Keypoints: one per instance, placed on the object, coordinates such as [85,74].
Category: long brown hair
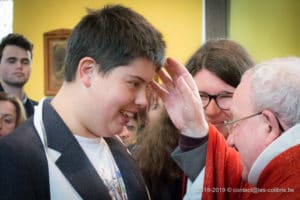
[155,143]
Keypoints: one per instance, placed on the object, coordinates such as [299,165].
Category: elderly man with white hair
[265,134]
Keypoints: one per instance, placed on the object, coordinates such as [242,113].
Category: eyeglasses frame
[233,122]
[214,97]
[227,123]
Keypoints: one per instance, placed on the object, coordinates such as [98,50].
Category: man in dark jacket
[15,68]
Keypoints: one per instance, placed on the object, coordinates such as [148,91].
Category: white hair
[276,86]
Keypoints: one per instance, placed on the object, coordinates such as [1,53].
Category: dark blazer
[24,171]
[28,104]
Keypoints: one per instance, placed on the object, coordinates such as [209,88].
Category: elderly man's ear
[271,126]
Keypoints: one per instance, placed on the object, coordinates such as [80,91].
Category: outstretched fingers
[181,99]
[168,82]
[177,70]
[174,68]
[185,91]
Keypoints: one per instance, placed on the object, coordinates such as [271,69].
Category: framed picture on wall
[55,43]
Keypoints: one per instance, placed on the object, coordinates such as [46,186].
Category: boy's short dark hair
[113,36]
[17,40]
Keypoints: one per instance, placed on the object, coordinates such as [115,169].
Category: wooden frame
[55,42]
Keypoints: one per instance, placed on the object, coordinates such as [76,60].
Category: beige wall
[178,20]
[267,28]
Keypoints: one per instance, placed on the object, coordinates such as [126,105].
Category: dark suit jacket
[24,171]
[29,106]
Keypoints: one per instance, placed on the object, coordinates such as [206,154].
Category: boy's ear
[85,70]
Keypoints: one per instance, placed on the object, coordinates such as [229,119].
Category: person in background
[12,113]
[217,68]
[155,143]
[129,133]
[70,149]
[15,68]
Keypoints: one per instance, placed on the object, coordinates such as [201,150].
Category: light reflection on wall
[6,16]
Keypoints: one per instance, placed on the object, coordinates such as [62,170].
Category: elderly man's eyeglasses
[230,125]
[223,100]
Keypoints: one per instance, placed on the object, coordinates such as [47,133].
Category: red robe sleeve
[223,169]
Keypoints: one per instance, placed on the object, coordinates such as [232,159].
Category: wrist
[189,143]
[196,131]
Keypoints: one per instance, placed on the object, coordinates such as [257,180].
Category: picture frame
[55,43]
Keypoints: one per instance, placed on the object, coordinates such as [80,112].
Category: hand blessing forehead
[181,99]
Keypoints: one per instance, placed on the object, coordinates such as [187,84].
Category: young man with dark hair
[15,68]
[69,149]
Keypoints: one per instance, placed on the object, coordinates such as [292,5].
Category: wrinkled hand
[181,99]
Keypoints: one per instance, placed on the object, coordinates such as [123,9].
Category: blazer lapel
[72,162]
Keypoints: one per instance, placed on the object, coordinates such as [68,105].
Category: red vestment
[280,179]
[223,169]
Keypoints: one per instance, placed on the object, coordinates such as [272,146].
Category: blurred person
[129,132]
[15,68]
[12,113]
[155,143]
[71,140]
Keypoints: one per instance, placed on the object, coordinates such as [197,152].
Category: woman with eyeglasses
[217,68]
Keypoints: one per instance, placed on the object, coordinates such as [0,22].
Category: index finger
[174,68]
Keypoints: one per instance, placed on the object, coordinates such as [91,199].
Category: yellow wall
[178,20]
[267,28]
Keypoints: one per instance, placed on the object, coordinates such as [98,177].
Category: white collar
[288,139]
[39,124]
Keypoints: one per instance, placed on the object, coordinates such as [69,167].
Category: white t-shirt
[98,152]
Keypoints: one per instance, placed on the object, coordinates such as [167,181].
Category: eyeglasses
[222,100]
[230,125]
